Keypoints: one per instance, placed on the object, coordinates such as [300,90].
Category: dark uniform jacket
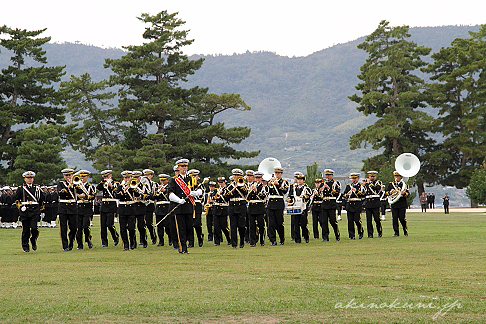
[373,194]
[220,205]
[125,197]
[354,201]
[109,201]
[85,205]
[402,202]
[67,199]
[256,198]
[162,202]
[173,187]
[330,195]
[31,200]
[276,193]
[237,198]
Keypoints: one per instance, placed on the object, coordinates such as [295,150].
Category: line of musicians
[178,203]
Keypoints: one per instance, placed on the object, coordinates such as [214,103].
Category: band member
[398,209]
[236,194]
[126,211]
[373,203]
[86,193]
[220,212]
[208,209]
[423,202]
[250,179]
[149,202]
[180,193]
[277,189]
[46,220]
[198,209]
[68,209]
[139,207]
[316,209]
[55,205]
[331,192]
[162,204]
[29,198]
[108,208]
[354,192]
[256,210]
[299,194]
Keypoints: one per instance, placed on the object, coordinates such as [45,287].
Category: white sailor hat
[221,179]
[148,171]
[250,173]
[329,171]
[182,162]
[106,172]
[212,184]
[126,173]
[300,176]
[137,173]
[6,188]
[237,172]
[175,168]
[278,169]
[84,173]
[396,173]
[258,174]
[163,176]
[193,172]
[354,174]
[67,171]
[28,174]
[372,173]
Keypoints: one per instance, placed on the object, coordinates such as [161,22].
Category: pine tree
[27,93]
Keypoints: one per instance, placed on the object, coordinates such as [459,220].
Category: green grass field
[437,274]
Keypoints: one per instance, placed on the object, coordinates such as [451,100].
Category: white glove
[196,193]
[173,197]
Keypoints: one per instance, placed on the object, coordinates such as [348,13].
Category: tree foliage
[477,186]
[458,91]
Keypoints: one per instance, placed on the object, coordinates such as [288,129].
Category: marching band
[253,202]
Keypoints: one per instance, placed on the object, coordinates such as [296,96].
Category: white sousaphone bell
[408,165]
[267,166]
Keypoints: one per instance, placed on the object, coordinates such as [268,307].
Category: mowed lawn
[437,274]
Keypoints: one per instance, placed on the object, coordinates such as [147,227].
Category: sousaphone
[267,166]
[408,165]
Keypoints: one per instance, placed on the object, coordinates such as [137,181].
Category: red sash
[185,188]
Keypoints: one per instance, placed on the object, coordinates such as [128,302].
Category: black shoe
[104,245]
[234,247]
[262,244]
[370,236]
[338,238]
[352,238]
[242,246]
[190,245]
[116,242]
[216,244]
[125,249]
[274,243]
[307,241]
[252,245]
[406,234]
[200,243]
[210,238]
[160,244]
[133,246]
[80,247]
[360,236]
[229,243]
[154,241]
[185,252]
[90,244]
[145,244]
[34,247]
[380,234]
[395,235]
[26,250]
[170,243]
[326,239]
[282,242]
[67,249]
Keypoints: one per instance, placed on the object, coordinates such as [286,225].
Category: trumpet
[133,183]
[240,182]
[77,180]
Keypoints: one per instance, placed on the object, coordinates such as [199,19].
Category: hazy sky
[291,28]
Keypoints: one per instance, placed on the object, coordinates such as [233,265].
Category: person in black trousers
[330,190]
[162,204]
[220,212]
[126,212]
[277,189]
[67,210]
[398,208]
[108,208]
[446,203]
[86,193]
[29,198]
[180,194]
[373,204]
[354,193]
